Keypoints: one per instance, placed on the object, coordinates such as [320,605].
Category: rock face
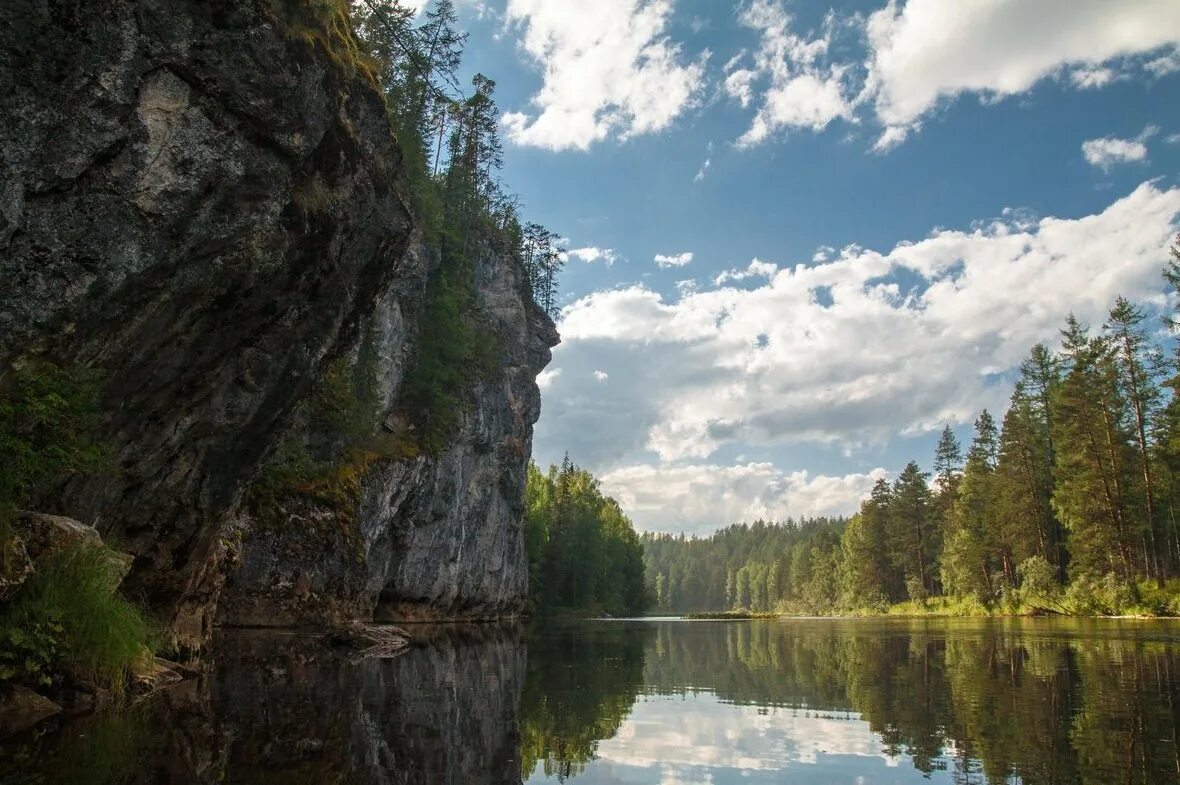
[201,202]
[434,536]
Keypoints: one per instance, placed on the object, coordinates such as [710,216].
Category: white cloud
[1090,77]
[601,376]
[755,269]
[546,377]
[1165,64]
[855,349]
[822,253]
[673,260]
[1172,139]
[669,497]
[1110,150]
[803,89]
[923,52]
[593,253]
[609,70]
[700,175]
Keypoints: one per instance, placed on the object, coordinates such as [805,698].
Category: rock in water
[21,708]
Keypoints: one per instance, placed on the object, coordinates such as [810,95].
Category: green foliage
[1106,595]
[453,353]
[49,425]
[335,441]
[30,655]
[792,567]
[584,554]
[68,616]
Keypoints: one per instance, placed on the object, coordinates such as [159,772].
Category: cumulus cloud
[1110,150]
[609,70]
[1165,64]
[706,496]
[592,253]
[856,349]
[757,268]
[546,378]
[923,52]
[803,89]
[1092,77]
[673,260]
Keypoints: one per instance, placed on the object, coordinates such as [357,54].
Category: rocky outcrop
[433,536]
[201,203]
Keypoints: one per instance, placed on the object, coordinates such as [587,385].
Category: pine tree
[971,550]
[913,533]
[1089,495]
[1137,369]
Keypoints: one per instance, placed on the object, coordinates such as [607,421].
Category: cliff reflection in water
[287,709]
[655,702]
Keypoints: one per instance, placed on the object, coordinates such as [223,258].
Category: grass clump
[69,619]
[312,194]
[327,25]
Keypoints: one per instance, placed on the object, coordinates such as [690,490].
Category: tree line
[760,566]
[583,553]
[1069,503]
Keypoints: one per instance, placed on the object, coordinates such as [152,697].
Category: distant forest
[1069,504]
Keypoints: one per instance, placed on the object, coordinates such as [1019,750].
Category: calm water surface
[646,702]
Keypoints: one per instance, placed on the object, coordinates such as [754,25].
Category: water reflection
[655,702]
[1031,701]
[286,709]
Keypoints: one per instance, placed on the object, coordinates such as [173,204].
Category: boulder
[21,708]
[15,565]
[44,535]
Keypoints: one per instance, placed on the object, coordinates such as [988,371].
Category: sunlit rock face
[204,207]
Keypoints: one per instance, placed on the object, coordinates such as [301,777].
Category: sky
[803,237]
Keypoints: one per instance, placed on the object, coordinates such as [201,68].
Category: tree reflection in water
[1031,701]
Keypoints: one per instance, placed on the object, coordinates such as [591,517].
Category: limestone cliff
[201,201]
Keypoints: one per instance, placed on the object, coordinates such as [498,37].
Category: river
[655,701]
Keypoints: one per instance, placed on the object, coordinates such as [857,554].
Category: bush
[1107,595]
[49,421]
[69,617]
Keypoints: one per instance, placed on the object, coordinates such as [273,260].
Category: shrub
[1107,595]
[49,425]
[68,616]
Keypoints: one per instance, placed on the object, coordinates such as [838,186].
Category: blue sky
[885,206]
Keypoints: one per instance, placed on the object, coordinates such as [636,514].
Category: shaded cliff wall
[201,202]
[430,536]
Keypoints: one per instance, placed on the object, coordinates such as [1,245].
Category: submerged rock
[21,708]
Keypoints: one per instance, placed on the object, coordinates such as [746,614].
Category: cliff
[202,207]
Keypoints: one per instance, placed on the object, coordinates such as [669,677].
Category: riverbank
[1083,598]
